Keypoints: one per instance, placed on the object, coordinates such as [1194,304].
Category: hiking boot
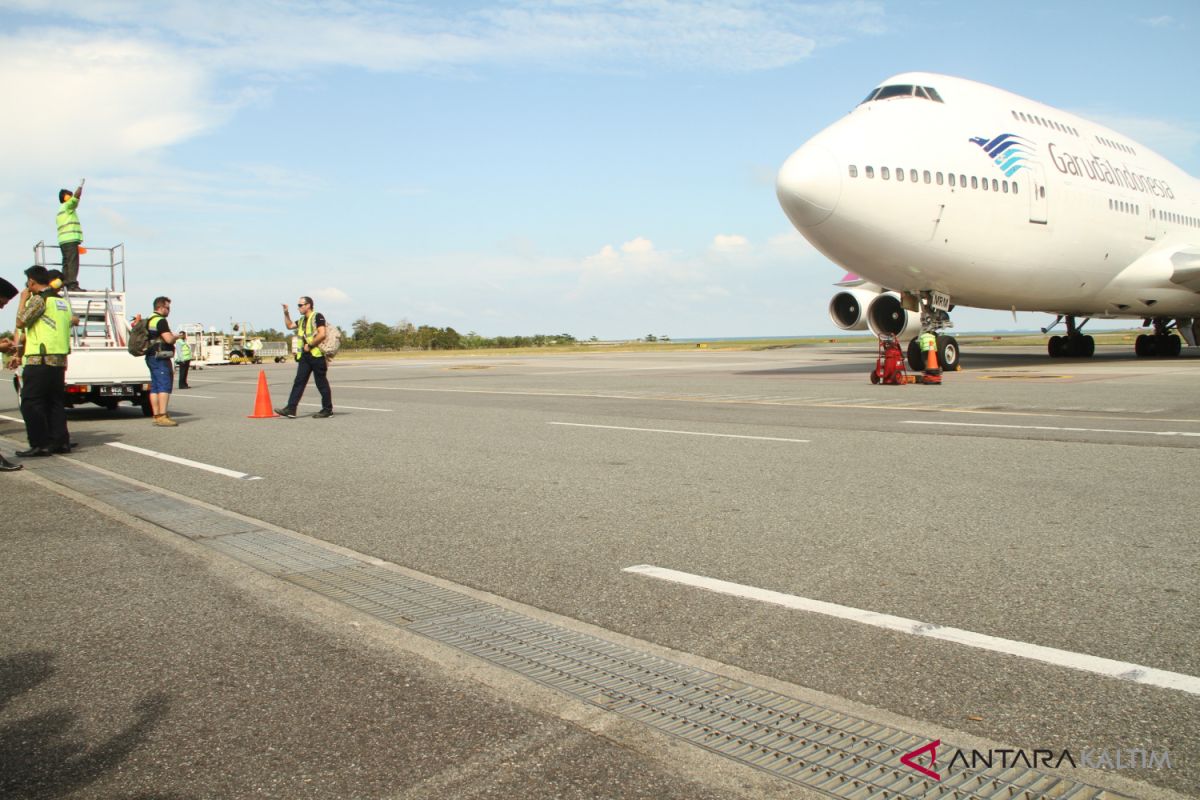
[286,411]
[165,422]
[323,413]
[8,466]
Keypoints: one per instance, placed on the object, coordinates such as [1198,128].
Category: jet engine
[886,314]
[848,308]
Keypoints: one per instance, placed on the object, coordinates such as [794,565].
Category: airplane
[937,191]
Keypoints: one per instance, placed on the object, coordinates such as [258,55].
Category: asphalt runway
[1048,503]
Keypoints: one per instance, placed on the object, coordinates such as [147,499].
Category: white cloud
[729,243]
[331,294]
[95,100]
[1164,21]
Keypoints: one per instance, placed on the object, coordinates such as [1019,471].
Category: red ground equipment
[889,366]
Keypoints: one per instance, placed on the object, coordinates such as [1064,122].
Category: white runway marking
[12,419]
[355,408]
[685,433]
[1049,428]
[190,395]
[1050,655]
[186,462]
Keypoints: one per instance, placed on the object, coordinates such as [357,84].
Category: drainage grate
[278,553]
[813,746]
[387,594]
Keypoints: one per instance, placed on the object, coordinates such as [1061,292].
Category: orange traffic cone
[933,371]
[262,403]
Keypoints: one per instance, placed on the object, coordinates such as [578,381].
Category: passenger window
[899,173]
[953,182]
[1014,113]
[974,182]
[853,171]
[912,175]
[1004,185]
[1014,187]
[939,179]
[983,184]
[995,185]
[928,178]
[884,173]
[962,181]
[1042,192]
[870,172]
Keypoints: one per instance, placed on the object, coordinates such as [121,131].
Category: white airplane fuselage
[1004,203]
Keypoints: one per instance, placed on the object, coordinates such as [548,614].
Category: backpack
[139,338]
[332,342]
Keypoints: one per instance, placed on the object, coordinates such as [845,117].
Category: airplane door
[1037,194]
[1151,234]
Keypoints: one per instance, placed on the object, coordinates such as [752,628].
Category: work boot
[286,411]
[165,422]
[33,452]
[8,466]
[323,413]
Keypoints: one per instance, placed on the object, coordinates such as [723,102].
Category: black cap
[7,290]
[67,192]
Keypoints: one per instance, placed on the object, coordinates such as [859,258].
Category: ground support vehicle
[100,368]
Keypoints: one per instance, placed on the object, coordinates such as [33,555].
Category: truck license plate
[123,391]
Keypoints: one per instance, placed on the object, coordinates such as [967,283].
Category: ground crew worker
[7,292]
[310,329]
[183,359]
[46,321]
[70,235]
[929,348]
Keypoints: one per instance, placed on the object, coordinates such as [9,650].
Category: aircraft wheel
[1170,345]
[915,362]
[947,353]
[1056,347]
[1143,346]
[1087,346]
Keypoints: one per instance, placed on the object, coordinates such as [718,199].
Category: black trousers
[70,265]
[307,365]
[183,370]
[43,405]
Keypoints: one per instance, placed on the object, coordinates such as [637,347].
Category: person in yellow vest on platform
[310,329]
[70,234]
[45,319]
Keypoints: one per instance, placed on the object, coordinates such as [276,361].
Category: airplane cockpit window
[904,90]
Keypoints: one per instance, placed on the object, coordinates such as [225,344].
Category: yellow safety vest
[928,341]
[307,330]
[69,229]
[50,333]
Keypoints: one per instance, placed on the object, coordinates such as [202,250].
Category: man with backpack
[310,359]
[160,349]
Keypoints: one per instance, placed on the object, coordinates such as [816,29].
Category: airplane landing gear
[1162,343]
[948,354]
[1074,344]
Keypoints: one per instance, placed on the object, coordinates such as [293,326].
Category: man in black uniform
[310,360]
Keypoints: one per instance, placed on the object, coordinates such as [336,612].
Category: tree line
[367,335]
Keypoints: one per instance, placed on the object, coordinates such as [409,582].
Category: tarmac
[137,661]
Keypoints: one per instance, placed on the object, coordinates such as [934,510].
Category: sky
[514,167]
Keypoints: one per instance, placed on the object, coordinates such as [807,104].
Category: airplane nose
[809,185]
